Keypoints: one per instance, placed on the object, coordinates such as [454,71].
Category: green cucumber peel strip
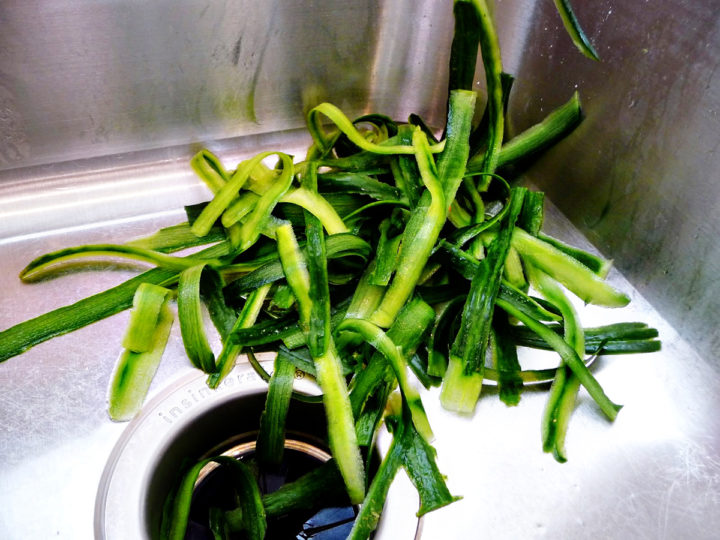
[492,63]
[358,183]
[418,460]
[539,376]
[624,335]
[568,355]
[287,329]
[147,304]
[404,169]
[317,205]
[554,127]
[294,269]
[412,452]
[209,169]
[514,272]
[337,246]
[256,221]
[145,341]
[231,348]
[464,234]
[379,340]
[438,338]
[223,523]
[561,400]
[575,276]
[572,330]
[373,411]
[387,255]
[559,412]
[367,296]
[243,268]
[421,232]
[479,135]
[46,263]
[463,379]
[574,30]
[21,337]
[190,316]
[251,502]
[357,214]
[226,195]
[467,265]
[505,360]
[597,264]
[318,332]
[269,331]
[604,347]
[221,314]
[464,47]
[359,162]
[406,332]
[212,172]
[369,515]
[270,444]
[452,161]
[321,486]
[342,122]
[239,208]
[341,429]
[282,299]
[298,361]
[373,384]
[532,214]
[176,238]
[418,363]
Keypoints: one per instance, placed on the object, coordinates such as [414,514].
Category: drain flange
[188,421]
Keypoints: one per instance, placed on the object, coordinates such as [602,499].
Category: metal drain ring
[121,507]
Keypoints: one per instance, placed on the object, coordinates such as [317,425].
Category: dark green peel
[576,33]
[384,260]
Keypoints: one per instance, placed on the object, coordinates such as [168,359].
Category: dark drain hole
[214,490]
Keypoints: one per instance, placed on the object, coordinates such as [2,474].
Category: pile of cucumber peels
[383,261]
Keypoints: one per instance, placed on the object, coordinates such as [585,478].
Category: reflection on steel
[103,103]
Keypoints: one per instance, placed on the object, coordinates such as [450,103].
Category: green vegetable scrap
[384,262]
[144,344]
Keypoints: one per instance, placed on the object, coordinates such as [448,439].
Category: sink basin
[102,106]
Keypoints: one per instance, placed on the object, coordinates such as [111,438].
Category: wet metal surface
[640,176]
[654,473]
[99,116]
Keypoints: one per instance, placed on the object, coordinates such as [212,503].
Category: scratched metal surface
[653,474]
[641,175]
[133,88]
[83,78]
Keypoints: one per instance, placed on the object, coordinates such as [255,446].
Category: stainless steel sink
[102,105]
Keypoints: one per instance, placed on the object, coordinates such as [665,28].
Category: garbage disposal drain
[188,422]
[213,490]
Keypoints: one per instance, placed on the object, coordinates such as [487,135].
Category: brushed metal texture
[103,103]
[654,473]
[83,78]
[640,176]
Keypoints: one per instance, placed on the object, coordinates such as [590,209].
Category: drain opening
[231,429]
[157,446]
[214,490]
